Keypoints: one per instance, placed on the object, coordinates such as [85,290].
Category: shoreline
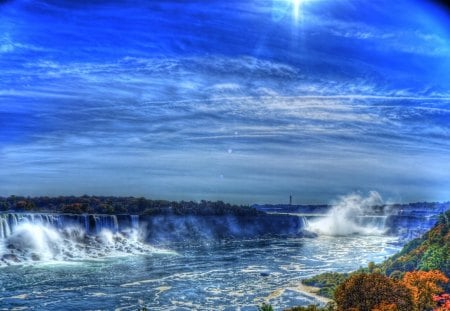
[307,290]
[313,292]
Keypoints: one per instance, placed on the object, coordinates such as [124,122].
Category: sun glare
[296,8]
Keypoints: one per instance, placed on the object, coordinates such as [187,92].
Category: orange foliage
[368,292]
[384,306]
[423,286]
[443,302]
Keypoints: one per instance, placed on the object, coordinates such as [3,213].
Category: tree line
[120,205]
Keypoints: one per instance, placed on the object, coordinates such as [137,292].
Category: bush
[329,307]
[327,282]
[265,307]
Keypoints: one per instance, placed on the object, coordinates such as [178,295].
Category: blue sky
[244,101]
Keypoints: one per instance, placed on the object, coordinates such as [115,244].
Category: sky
[245,101]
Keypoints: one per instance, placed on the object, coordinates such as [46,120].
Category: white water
[30,238]
[346,217]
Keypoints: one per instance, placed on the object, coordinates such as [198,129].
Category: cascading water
[304,222]
[134,221]
[5,229]
[349,216]
[45,237]
[102,222]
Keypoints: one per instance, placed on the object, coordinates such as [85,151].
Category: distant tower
[290,199]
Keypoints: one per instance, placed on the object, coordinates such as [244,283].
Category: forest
[120,205]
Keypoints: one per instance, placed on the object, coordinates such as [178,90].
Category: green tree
[328,307]
[371,266]
[265,307]
[435,257]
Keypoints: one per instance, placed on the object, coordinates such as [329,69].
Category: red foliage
[442,301]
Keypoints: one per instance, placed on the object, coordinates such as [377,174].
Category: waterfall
[5,229]
[303,223]
[349,216]
[9,221]
[108,222]
[302,226]
[134,221]
[86,223]
[26,237]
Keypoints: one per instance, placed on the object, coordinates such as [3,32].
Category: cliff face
[409,226]
[179,228]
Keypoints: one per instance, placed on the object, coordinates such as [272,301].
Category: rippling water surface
[226,275]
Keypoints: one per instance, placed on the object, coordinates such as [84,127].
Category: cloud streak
[191,110]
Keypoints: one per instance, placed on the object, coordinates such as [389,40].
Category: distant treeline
[120,205]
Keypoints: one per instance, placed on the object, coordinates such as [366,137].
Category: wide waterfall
[90,223]
[29,237]
[59,237]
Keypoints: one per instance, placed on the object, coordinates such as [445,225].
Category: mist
[346,216]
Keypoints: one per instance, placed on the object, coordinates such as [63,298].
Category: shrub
[329,307]
[265,307]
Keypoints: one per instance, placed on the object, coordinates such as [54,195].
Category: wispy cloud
[227,108]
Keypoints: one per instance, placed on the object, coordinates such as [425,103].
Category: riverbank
[313,291]
[310,291]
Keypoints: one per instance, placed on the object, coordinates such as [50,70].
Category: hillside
[429,252]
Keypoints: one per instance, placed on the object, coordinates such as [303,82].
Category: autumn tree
[424,285]
[442,302]
[365,292]
[384,306]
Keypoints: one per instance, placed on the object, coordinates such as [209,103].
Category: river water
[208,275]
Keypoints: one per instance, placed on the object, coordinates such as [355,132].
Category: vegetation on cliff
[363,291]
[429,252]
[326,282]
[415,291]
[366,292]
[415,279]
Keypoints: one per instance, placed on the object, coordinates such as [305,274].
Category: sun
[296,6]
